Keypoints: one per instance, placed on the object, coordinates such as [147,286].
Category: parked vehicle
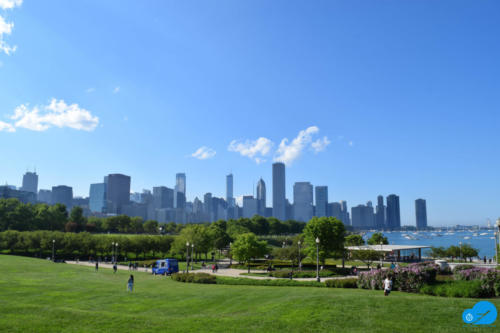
[165,267]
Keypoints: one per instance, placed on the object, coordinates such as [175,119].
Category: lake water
[484,243]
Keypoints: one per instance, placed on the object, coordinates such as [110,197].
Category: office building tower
[45,196]
[393,213]
[208,207]
[7,192]
[97,198]
[117,192]
[321,201]
[363,217]
[229,190]
[250,206]
[302,201]
[421,213]
[163,197]
[180,187]
[261,197]
[30,182]
[345,213]
[136,197]
[63,195]
[335,210]
[279,191]
[380,213]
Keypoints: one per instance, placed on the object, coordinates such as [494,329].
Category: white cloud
[6,27]
[57,113]
[90,90]
[320,144]
[116,90]
[351,143]
[252,149]
[288,152]
[204,153]
[10,4]
[6,127]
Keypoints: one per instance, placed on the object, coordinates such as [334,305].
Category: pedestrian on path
[96,266]
[114,267]
[130,284]
[387,285]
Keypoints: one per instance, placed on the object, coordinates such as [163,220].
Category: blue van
[165,267]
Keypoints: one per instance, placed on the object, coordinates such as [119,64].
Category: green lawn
[40,296]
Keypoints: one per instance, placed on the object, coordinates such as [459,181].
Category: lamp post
[498,235]
[230,254]
[381,255]
[317,260]
[300,259]
[117,253]
[460,243]
[113,252]
[192,255]
[187,257]
[53,250]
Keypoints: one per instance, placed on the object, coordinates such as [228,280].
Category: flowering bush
[489,277]
[410,278]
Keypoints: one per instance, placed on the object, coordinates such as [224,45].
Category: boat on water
[466,237]
[475,234]
[483,234]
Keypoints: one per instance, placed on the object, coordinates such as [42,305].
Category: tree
[437,252]
[151,227]
[331,234]
[247,247]
[378,238]
[76,216]
[453,252]
[366,256]
[354,240]
[469,252]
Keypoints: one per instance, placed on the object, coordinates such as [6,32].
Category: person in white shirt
[387,285]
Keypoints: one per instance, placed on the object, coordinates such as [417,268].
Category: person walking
[96,266]
[114,267]
[130,284]
[387,285]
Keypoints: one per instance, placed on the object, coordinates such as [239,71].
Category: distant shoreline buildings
[164,204]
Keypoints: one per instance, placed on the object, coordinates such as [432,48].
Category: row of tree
[15,215]
[463,251]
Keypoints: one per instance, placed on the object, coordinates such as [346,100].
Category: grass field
[40,296]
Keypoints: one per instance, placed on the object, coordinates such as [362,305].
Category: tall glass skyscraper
[117,192]
[380,213]
[302,201]
[393,212]
[279,191]
[62,194]
[97,198]
[421,213]
[229,190]
[321,201]
[30,182]
[261,197]
[180,187]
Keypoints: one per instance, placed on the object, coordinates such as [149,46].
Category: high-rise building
[279,191]
[97,198]
[335,210]
[163,197]
[180,187]
[30,182]
[229,190]
[117,192]
[380,213]
[45,196]
[321,201]
[393,213]
[250,206]
[363,217]
[261,197]
[62,194]
[421,213]
[208,207]
[302,201]
[345,213]
[7,192]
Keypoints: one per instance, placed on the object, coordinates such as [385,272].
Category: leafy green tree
[378,238]
[59,217]
[247,247]
[437,252]
[331,234]
[76,216]
[260,225]
[453,252]
[366,256]
[354,240]
[151,227]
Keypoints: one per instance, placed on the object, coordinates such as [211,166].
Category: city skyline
[362,108]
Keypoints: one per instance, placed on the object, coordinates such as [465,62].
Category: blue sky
[391,97]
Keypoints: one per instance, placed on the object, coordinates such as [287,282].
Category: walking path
[228,272]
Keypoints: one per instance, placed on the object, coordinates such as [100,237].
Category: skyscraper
[45,196]
[345,213]
[117,192]
[380,213]
[362,216]
[163,197]
[62,194]
[393,212]
[279,191]
[30,182]
[250,206]
[421,213]
[208,206]
[97,198]
[335,210]
[180,187]
[302,201]
[321,201]
[261,197]
[229,190]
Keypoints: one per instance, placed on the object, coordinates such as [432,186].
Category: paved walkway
[229,272]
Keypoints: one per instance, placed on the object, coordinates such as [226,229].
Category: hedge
[342,283]
[194,278]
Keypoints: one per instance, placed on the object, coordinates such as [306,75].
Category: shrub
[194,278]
[467,289]
[458,268]
[488,278]
[269,282]
[305,274]
[342,283]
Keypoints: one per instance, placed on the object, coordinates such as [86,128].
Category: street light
[317,260]
[230,254]
[113,252]
[300,259]
[187,257]
[192,255]
[117,253]
[53,250]
[381,254]
[460,243]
